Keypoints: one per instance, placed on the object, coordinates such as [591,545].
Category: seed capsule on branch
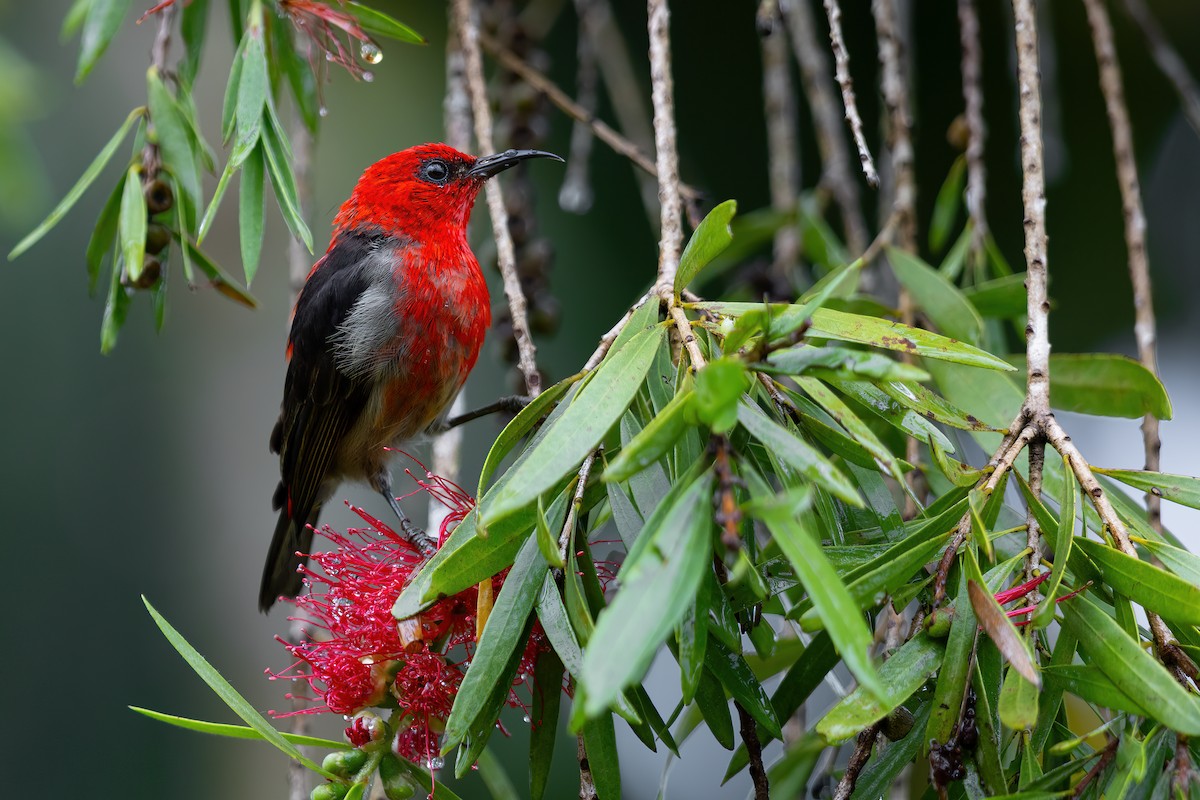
[157,238]
[159,197]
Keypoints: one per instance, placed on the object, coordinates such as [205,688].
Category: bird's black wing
[321,403]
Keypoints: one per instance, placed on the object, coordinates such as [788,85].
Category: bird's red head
[424,190]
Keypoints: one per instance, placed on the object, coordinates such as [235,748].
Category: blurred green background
[147,472]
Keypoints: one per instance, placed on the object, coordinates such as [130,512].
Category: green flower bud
[329,791]
[397,785]
[344,763]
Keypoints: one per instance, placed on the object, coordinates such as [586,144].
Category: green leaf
[250,212]
[1088,683]
[956,669]
[692,636]
[547,540]
[662,575]
[500,638]
[1018,702]
[901,675]
[830,324]
[1064,535]
[238,704]
[833,602]
[556,622]
[1183,563]
[600,740]
[373,21]
[192,29]
[131,229]
[520,425]
[945,207]
[74,18]
[236,731]
[174,139]
[955,471]
[941,300]
[543,732]
[734,674]
[881,772]
[654,441]
[719,387]
[1131,669]
[89,176]
[797,453]
[1002,298]
[895,413]
[569,439]
[116,306]
[1182,489]
[232,85]
[104,18]
[221,280]
[241,151]
[279,166]
[1151,587]
[253,84]
[104,235]
[933,406]
[711,237]
[1103,384]
[842,363]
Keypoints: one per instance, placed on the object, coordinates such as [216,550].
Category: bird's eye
[436,171]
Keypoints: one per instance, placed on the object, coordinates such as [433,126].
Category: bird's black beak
[487,166]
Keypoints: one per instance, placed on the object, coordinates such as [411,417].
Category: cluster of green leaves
[814,467]
[170,154]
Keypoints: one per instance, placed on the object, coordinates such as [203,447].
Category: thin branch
[1033,531]
[559,98]
[841,60]
[1168,61]
[858,760]
[666,157]
[575,194]
[585,470]
[819,88]
[684,328]
[468,29]
[625,94]
[1106,757]
[587,786]
[783,147]
[899,121]
[972,78]
[758,773]
[1144,327]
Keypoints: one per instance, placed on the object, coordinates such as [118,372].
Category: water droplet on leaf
[370,53]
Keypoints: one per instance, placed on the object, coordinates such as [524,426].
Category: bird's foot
[511,404]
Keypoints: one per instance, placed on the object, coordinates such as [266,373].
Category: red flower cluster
[321,23]
[356,656]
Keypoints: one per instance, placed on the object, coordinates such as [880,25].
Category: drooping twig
[899,121]
[819,89]
[1144,326]
[783,149]
[1168,61]
[1106,757]
[758,773]
[559,98]
[858,760]
[666,157]
[841,60]
[624,92]
[972,78]
[585,470]
[575,194]
[468,30]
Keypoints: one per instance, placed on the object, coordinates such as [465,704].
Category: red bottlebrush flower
[358,656]
[321,24]
[1020,591]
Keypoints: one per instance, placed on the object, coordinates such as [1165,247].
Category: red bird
[385,330]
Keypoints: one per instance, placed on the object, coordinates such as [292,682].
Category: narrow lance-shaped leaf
[945,207]
[1103,384]
[938,298]
[252,85]
[711,237]
[174,140]
[250,212]
[283,179]
[797,453]
[1064,535]
[373,21]
[1133,670]
[600,741]
[131,230]
[104,18]
[830,324]
[997,625]
[104,234]
[1153,588]
[89,176]
[840,614]
[238,704]
[237,731]
[593,412]
[664,577]
[1182,489]
[956,669]
[654,441]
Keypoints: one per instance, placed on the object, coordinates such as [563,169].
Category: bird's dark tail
[280,575]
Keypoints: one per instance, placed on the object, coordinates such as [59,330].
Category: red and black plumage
[385,330]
